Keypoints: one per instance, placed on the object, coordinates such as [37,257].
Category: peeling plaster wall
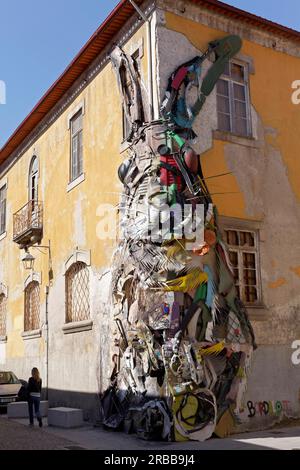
[221,22]
[168,59]
[265,179]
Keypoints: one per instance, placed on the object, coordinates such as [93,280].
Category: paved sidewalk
[91,438]
[16,436]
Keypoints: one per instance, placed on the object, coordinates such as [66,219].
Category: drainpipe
[47,342]
[150,66]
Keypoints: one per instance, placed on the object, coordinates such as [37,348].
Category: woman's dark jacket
[34,386]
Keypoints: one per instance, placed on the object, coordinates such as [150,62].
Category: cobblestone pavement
[15,436]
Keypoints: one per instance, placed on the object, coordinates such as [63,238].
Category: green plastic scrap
[204,318]
[225,49]
[172,192]
[201,293]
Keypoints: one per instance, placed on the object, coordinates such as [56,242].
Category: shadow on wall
[88,402]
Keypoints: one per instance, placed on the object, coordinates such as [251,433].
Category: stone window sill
[33,334]
[76,182]
[236,139]
[3,235]
[257,312]
[3,339]
[77,327]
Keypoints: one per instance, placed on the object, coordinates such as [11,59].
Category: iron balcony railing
[28,223]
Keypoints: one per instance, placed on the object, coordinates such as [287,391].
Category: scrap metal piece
[173,301]
[175,104]
[129,86]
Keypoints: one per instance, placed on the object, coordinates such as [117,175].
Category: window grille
[32,307]
[77,293]
[3,302]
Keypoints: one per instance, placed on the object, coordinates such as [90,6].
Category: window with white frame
[32,306]
[76,166]
[233,101]
[2,209]
[77,293]
[3,304]
[244,257]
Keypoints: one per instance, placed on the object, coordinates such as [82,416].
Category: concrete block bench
[65,417]
[19,409]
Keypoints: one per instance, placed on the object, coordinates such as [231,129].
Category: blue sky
[39,38]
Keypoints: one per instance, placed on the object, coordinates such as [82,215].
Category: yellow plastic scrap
[241,373]
[212,350]
[188,282]
[173,250]
[177,252]
[189,413]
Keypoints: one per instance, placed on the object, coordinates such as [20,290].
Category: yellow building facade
[257,195]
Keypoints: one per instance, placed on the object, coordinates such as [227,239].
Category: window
[2,210]
[2,315]
[243,252]
[32,307]
[76,169]
[77,293]
[33,179]
[233,100]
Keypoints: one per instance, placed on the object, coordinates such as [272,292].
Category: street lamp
[28,261]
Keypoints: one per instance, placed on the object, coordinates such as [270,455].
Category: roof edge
[247,16]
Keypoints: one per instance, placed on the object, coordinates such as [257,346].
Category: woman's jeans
[34,402]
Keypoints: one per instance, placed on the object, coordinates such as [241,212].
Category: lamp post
[28,261]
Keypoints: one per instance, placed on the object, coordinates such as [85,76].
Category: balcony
[28,224]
